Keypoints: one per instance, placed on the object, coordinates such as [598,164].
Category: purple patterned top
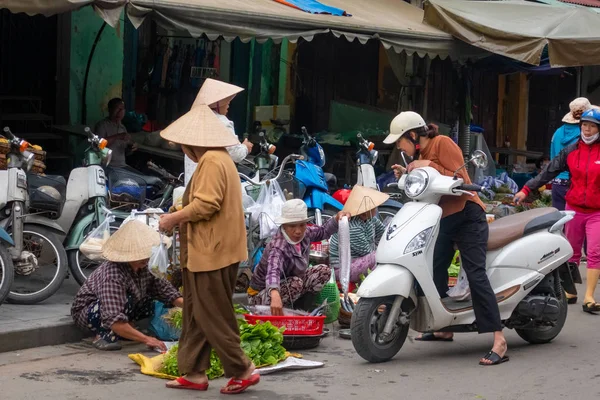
[281,260]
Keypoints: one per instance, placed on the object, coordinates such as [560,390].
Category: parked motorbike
[254,242]
[164,198]
[86,200]
[6,265]
[39,258]
[257,168]
[309,172]
[525,253]
[366,158]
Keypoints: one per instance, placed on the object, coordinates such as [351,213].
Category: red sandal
[242,383]
[185,384]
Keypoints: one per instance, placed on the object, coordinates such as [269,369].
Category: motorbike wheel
[6,273]
[80,266]
[49,252]
[386,213]
[546,334]
[368,320]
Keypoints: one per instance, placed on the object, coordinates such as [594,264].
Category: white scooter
[525,252]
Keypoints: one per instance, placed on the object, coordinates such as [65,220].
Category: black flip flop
[494,358]
[591,308]
[572,300]
[430,337]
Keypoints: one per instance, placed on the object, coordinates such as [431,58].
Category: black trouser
[469,230]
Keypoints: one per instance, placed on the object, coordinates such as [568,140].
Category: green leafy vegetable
[261,342]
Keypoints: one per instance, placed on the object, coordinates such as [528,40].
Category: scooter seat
[508,229]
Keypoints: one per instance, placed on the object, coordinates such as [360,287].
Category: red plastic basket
[294,325]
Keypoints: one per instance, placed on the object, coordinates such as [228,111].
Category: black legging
[469,230]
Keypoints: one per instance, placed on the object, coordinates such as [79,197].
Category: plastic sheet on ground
[151,365]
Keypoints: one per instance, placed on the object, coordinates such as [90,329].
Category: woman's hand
[154,343]
[342,214]
[418,164]
[519,197]
[168,222]
[398,170]
[276,304]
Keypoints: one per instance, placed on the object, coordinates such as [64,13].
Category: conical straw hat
[132,242]
[200,127]
[363,199]
[213,91]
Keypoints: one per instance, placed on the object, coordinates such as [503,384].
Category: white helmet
[402,123]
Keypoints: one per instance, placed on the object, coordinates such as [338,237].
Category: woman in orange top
[463,222]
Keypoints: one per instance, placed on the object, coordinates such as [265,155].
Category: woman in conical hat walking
[213,243]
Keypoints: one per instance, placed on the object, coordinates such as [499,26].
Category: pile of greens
[261,342]
[170,366]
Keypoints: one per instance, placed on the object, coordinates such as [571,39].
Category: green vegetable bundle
[170,366]
[262,343]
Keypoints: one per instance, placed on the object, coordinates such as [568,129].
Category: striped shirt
[364,237]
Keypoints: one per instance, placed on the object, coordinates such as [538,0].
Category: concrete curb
[47,335]
[54,331]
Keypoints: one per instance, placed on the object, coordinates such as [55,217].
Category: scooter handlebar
[471,187]
[8,133]
[286,160]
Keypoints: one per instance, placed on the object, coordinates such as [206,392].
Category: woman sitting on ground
[282,276]
[366,229]
[122,290]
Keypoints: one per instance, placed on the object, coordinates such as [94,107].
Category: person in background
[111,128]
[366,229]
[282,276]
[213,243]
[122,290]
[582,161]
[566,135]
[463,222]
[218,95]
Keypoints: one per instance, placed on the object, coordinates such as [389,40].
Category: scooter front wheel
[368,322]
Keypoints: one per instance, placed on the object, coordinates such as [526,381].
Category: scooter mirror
[479,159]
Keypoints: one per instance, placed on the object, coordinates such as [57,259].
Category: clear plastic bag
[92,245]
[159,259]
[344,253]
[460,291]
[268,208]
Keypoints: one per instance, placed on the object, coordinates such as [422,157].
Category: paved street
[567,368]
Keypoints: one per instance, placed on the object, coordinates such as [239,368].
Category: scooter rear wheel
[368,321]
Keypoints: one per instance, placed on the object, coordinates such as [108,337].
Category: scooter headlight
[420,241]
[416,183]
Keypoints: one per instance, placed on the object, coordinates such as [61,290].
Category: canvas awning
[520,29]
[109,10]
[396,23]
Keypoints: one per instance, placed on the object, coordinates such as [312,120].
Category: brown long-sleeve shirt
[446,157]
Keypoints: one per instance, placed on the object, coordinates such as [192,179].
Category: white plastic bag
[345,256]
[148,218]
[460,291]
[92,245]
[159,259]
[268,208]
